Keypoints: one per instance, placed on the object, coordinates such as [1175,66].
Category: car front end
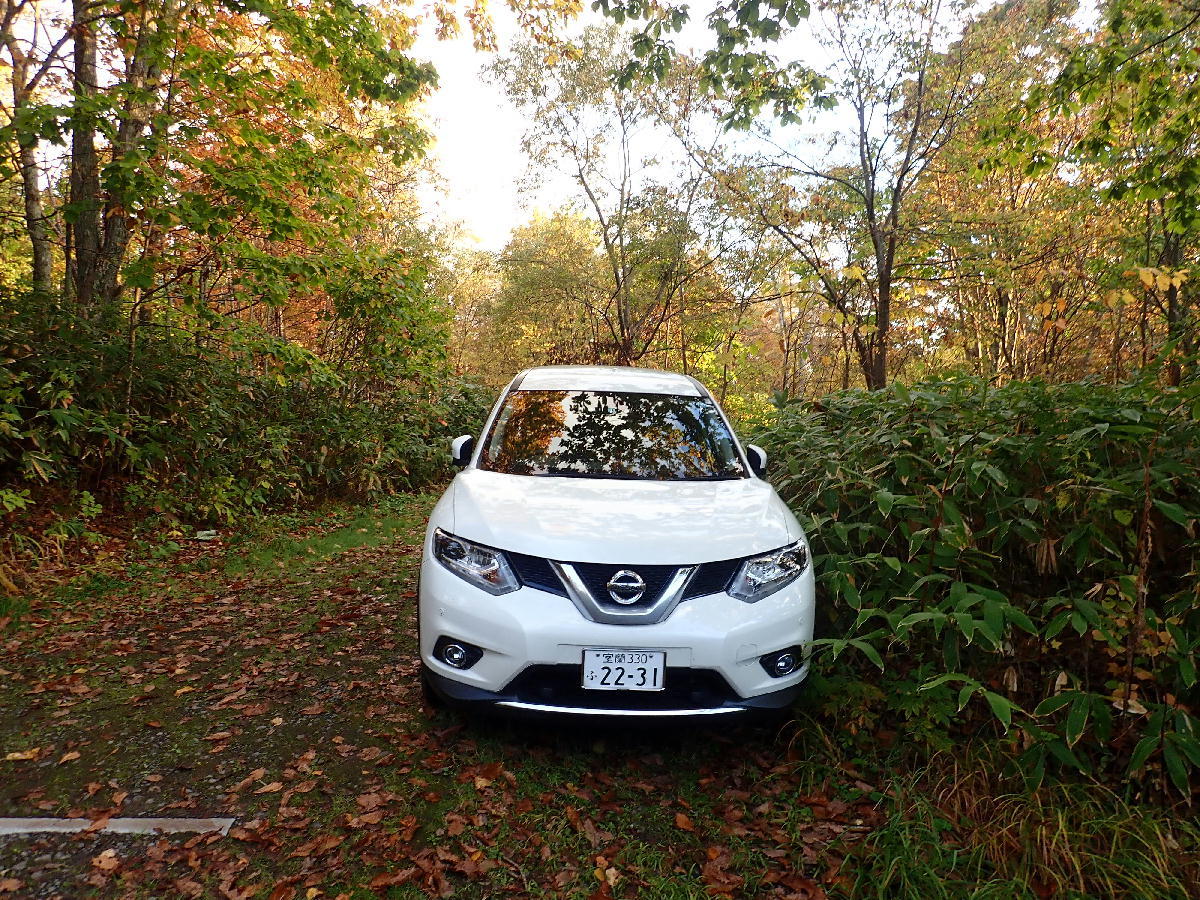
[562,591]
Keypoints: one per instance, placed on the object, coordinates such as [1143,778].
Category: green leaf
[869,652]
[1077,720]
[1002,707]
[1177,768]
[1174,512]
[1053,704]
[993,615]
[1142,752]
[885,500]
[969,690]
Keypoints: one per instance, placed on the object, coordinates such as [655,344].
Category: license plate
[624,670]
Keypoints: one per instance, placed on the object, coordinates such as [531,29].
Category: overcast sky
[478,140]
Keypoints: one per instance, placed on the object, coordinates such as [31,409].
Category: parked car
[610,548]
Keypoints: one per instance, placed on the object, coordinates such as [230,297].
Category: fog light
[456,653]
[782,663]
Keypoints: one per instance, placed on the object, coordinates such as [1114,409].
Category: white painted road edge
[116,826]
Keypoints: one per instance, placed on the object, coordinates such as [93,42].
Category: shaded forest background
[936,255]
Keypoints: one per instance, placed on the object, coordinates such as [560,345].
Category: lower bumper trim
[565,697]
[646,713]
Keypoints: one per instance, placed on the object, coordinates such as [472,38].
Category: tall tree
[1139,76]
[592,131]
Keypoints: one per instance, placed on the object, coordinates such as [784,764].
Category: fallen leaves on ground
[156,702]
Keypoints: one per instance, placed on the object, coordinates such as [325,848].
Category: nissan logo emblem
[626,587]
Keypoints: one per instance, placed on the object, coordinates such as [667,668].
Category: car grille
[535,572]
[710,578]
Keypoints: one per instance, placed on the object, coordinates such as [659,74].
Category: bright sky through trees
[484,182]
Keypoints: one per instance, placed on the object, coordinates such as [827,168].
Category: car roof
[606,378]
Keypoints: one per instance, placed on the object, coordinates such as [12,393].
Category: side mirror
[758,459]
[461,449]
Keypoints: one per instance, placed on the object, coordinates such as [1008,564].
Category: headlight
[761,576]
[482,566]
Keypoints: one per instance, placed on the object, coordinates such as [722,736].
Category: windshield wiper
[570,473]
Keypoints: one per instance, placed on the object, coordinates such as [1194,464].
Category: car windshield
[608,434]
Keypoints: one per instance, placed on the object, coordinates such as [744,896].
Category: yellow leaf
[1147,276]
[24,754]
[1162,281]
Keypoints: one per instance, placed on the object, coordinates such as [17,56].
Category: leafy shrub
[210,429]
[1031,545]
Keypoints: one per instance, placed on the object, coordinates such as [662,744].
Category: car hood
[620,521]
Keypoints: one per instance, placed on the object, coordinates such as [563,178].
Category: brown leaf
[271,788]
[9,885]
[248,780]
[70,756]
[218,736]
[188,888]
[106,861]
[118,797]
[389,879]
[314,710]
[682,821]
[369,801]
[319,846]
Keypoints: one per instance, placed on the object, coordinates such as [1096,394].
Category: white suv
[610,549]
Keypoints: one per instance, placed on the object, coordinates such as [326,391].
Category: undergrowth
[1020,559]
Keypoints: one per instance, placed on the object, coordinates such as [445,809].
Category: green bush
[209,429]
[1032,546]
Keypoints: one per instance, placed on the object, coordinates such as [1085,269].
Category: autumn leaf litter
[286,696]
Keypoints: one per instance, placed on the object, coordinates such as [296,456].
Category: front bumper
[533,644]
[555,690]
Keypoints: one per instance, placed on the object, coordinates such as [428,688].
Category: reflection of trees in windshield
[657,437]
[528,423]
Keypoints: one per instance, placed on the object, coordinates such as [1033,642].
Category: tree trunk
[1177,313]
[41,247]
[85,167]
[35,221]
[35,212]
[876,371]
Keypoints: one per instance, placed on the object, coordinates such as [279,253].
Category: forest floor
[272,677]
